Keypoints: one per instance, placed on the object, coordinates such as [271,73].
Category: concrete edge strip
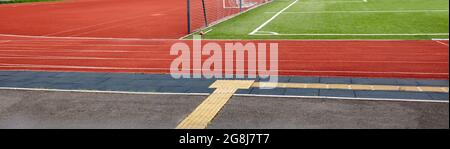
[345,98]
[207,94]
[353,87]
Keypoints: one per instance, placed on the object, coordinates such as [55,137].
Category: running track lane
[389,59]
[96,18]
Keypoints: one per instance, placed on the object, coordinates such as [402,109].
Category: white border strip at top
[242,95]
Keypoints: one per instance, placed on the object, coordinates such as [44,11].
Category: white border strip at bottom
[241,95]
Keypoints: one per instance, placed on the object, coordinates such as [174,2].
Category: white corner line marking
[273,17]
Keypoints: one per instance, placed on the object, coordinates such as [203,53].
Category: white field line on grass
[412,34]
[15,66]
[364,11]
[206,94]
[208,31]
[272,18]
[355,1]
[446,39]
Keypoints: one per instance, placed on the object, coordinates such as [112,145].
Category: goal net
[204,13]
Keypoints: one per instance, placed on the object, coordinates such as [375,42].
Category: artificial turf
[345,19]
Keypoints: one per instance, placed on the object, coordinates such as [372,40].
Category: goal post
[204,13]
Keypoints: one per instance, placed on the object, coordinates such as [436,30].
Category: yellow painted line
[208,109]
[353,87]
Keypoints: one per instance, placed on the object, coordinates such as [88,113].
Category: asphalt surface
[42,109]
[49,109]
[286,113]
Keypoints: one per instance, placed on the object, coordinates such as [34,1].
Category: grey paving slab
[304,79]
[392,94]
[17,84]
[45,74]
[112,82]
[407,82]
[276,91]
[245,91]
[280,79]
[439,96]
[195,83]
[331,80]
[433,82]
[77,74]
[336,93]
[302,92]
[170,83]
[145,82]
[170,89]
[7,73]
[200,90]
[18,79]
[374,81]
[135,76]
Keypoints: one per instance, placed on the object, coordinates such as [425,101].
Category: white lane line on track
[5,65]
[272,18]
[4,41]
[21,56]
[206,94]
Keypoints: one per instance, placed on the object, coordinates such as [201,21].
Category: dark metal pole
[240,5]
[204,13]
[189,16]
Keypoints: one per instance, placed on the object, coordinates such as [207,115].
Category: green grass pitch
[339,19]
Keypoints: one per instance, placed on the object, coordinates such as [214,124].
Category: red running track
[96,18]
[389,59]
[166,19]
